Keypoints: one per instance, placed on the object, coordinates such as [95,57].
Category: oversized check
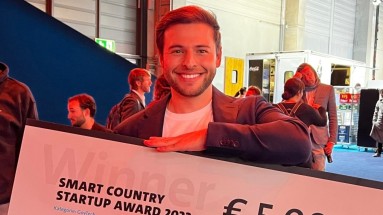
[65,170]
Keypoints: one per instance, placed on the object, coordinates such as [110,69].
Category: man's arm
[272,138]
[332,116]
[280,142]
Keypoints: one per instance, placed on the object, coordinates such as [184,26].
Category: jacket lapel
[224,108]
[154,116]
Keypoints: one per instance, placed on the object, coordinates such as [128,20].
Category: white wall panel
[118,23]
[342,43]
[267,11]
[330,26]
[79,15]
[317,25]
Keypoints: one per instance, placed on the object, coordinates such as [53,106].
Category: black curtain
[368,99]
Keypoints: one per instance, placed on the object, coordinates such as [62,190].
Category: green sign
[108,44]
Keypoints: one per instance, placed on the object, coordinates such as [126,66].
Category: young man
[196,116]
[140,82]
[323,95]
[16,105]
[81,112]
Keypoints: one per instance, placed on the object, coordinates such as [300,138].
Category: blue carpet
[357,162]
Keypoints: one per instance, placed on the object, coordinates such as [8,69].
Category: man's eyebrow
[181,46]
[175,46]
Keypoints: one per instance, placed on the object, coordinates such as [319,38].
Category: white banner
[67,173]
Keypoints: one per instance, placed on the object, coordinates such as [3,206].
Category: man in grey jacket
[196,116]
[16,105]
[317,93]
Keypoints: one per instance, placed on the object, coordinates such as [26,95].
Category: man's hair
[186,15]
[137,74]
[292,87]
[85,101]
[304,65]
[3,67]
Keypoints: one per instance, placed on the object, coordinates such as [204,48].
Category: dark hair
[137,74]
[186,15]
[304,65]
[253,90]
[240,92]
[292,87]
[3,67]
[161,87]
[85,101]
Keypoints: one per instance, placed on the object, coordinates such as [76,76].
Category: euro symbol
[230,208]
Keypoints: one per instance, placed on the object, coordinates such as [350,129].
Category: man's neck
[88,124]
[139,92]
[182,104]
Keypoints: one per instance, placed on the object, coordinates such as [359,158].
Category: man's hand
[315,106]
[298,75]
[193,141]
[328,148]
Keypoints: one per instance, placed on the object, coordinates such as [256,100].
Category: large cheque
[63,170]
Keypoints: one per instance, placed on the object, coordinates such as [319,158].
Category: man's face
[145,84]
[190,58]
[75,114]
[308,76]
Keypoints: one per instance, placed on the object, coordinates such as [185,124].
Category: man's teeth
[189,75]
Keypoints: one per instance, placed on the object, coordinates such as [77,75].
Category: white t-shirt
[177,124]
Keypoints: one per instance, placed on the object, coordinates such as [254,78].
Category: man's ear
[219,57]
[138,83]
[87,112]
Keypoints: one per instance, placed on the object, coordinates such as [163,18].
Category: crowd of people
[188,113]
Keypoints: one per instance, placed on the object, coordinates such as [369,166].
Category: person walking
[377,125]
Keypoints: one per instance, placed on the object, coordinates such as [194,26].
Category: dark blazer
[250,128]
[130,105]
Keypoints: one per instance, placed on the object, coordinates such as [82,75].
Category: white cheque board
[63,172]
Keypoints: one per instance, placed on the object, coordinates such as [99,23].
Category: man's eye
[202,51]
[176,51]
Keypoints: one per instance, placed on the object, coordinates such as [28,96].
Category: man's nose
[189,60]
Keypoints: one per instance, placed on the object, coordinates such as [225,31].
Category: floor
[357,162]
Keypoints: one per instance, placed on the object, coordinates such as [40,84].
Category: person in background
[196,116]
[377,125]
[161,88]
[293,105]
[253,91]
[323,95]
[241,93]
[16,105]
[81,112]
[140,81]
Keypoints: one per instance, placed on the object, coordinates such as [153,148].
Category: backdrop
[57,62]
